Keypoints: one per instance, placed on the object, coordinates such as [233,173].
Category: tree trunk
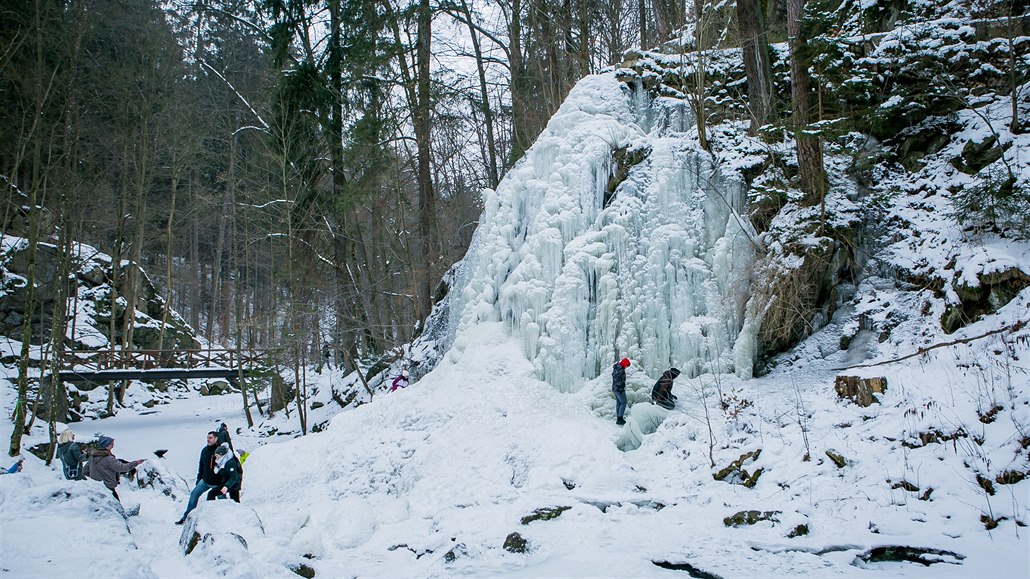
[488,117]
[426,195]
[756,63]
[522,136]
[809,147]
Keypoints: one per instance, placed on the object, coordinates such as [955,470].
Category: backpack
[71,466]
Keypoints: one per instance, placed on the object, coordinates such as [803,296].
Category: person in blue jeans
[207,478]
[619,389]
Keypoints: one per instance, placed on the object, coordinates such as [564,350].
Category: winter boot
[620,421]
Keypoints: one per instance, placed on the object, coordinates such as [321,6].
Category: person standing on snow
[661,394]
[105,467]
[230,473]
[207,479]
[327,357]
[223,436]
[619,389]
[71,455]
[400,381]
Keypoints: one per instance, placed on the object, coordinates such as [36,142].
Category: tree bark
[755,47]
[426,194]
[809,147]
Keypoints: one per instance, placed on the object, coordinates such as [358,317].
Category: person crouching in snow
[400,381]
[105,467]
[619,389]
[228,467]
[661,394]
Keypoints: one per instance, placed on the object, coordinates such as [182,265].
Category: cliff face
[90,304]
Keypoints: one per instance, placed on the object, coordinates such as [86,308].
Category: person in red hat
[619,389]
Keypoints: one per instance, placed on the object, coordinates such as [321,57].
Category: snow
[517,415]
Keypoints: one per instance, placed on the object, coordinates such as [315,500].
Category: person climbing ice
[619,389]
[662,394]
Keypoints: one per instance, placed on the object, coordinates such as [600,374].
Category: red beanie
[624,362]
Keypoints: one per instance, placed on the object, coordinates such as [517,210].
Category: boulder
[514,543]
[736,474]
[222,533]
[155,474]
[544,514]
[748,518]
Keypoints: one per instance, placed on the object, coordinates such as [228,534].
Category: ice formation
[657,272]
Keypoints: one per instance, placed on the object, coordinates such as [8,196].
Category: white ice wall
[660,275]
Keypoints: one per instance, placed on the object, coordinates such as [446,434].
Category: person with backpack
[71,455]
[662,394]
[230,473]
[207,479]
[105,467]
[619,389]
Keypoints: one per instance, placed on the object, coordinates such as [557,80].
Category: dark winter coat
[206,470]
[72,457]
[105,467]
[223,436]
[663,387]
[231,474]
[618,378]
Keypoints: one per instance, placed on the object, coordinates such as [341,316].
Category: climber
[206,477]
[230,474]
[105,467]
[662,394]
[400,381]
[619,389]
[71,455]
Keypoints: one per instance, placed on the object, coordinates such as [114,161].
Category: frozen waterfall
[657,272]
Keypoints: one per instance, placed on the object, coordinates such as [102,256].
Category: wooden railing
[151,359]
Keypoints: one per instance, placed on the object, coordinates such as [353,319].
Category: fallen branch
[1013,328]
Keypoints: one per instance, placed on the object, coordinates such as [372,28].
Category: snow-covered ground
[431,480]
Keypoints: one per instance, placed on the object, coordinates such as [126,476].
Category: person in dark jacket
[207,479]
[227,466]
[661,394]
[619,389]
[105,467]
[223,436]
[71,455]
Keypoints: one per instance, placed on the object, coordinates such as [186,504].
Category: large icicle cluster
[657,272]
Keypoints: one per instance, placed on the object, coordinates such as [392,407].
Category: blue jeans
[620,403]
[201,488]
